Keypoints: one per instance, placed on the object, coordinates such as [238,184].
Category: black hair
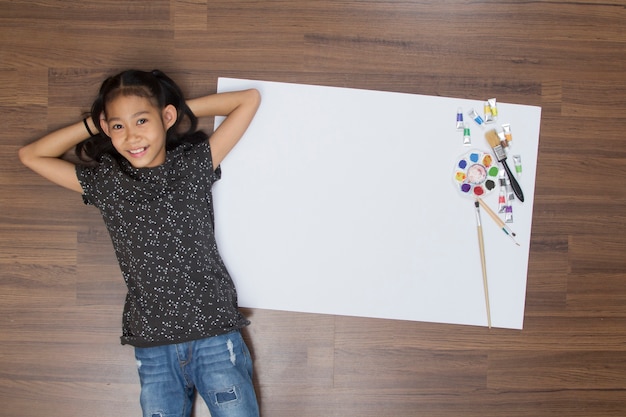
[154,86]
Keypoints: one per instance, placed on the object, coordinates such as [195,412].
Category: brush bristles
[494,141]
[492,138]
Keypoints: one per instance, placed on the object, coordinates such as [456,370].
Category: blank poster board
[342,201]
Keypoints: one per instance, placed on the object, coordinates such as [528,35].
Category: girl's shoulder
[187,150]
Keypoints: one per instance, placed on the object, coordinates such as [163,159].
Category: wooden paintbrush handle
[514,184]
[491,213]
[483,264]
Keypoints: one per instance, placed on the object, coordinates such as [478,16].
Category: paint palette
[475,174]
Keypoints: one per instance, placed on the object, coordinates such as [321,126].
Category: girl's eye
[141,121]
[117,126]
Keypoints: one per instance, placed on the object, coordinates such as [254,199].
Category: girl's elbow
[255,97]
[29,157]
[25,155]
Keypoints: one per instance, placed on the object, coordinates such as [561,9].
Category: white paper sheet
[342,201]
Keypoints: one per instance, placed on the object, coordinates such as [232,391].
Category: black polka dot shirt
[161,224]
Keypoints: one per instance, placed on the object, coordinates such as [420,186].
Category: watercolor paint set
[500,139]
[477,173]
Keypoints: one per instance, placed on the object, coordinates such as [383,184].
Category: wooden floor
[61,292]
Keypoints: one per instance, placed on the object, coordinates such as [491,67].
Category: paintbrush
[494,142]
[498,221]
[483,263]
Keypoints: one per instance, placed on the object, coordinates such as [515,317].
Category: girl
[150,175]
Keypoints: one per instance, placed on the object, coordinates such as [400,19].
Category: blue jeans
[219,368]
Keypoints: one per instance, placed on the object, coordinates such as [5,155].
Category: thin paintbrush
[498,221]
[483,263]
[494,142]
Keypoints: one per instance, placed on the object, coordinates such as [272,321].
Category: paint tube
[476,117]
[503,141]
[510,194]
[501,201]
[508,216]
[467,137]
[459,119]
[488,113]
[502,194]
[493,108]
[517,160]
[507,133]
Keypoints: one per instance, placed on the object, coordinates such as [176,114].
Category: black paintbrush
[494,142]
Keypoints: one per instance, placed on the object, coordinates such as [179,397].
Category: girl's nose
[132,134]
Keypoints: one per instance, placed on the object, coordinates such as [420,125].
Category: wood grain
[61,293]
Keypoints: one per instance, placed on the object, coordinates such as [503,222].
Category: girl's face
[138,129]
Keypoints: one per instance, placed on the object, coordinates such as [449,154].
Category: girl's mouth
[138,152]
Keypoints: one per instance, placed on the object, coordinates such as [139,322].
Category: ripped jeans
[219,368]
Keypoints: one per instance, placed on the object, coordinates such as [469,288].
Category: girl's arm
[239,107]
[44,155]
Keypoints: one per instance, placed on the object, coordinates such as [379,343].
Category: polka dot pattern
[161,224]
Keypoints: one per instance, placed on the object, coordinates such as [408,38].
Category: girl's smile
[138,153]
[138,129]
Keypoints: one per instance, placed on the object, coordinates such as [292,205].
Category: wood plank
[61,293]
